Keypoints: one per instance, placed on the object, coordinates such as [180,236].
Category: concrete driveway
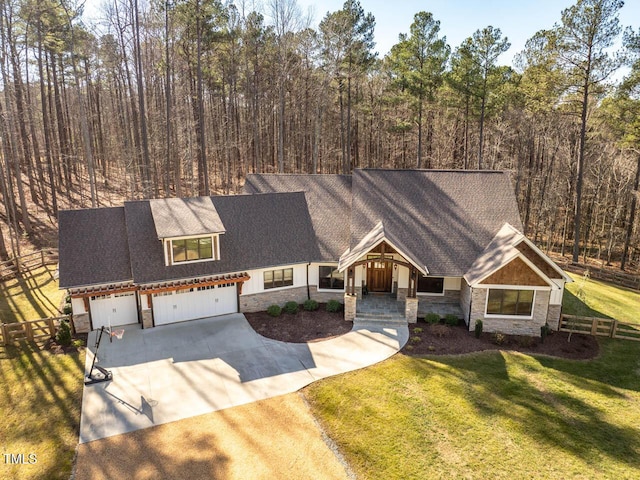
[173,372]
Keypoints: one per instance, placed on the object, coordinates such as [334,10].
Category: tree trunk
[632,217]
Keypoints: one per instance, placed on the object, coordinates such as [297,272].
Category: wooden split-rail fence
[30,331]
[603,327]
[24,263]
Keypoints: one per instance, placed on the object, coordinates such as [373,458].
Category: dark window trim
[427,292]
[335,282]
[277,284]
[213,246]
[528,314]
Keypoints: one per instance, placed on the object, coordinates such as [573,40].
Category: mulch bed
[425,339]
[301,327]
[58,349]
[431,340]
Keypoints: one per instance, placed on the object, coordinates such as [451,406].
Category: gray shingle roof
[177,217]
[443,218]
[93,247]
[262,231]
[329,201]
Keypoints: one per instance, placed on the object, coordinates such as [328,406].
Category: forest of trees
[186,97]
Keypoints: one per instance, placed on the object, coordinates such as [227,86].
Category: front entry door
[379,276]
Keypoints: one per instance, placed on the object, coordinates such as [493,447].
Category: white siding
[452,283]
[77,304]
[256,283]
[556,294]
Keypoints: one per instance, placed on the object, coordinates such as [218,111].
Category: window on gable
[430,284]
[278,278]
[331,278]
[193,249]
[510,302]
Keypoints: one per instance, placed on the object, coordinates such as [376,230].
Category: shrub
[67,309]
[417,330]
[63,335]
[440,330]
[67,299]
[310,305]
[499,338]
[451,319]
[291,307]
[544,331]
[78,343]
[333,306]
[432,318]
[478,328]
[416,339]
[274,310]
[431,348]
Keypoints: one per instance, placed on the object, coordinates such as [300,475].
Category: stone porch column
[349,307]
[411,309]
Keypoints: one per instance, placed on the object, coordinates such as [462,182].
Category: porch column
[350,298]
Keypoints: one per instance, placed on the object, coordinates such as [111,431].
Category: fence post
[4,333]
[614,327]
[594,326]
[52,327]
[28,331]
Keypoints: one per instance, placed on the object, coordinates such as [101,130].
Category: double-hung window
[510,302]
[278,278]
[193,249]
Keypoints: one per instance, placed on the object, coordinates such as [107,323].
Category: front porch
[387,307]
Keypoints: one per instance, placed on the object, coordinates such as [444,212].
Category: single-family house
[426,238]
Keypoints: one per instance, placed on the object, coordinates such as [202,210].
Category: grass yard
[40,398]
[31,296]
[40,393]
[497,415]
[601,299]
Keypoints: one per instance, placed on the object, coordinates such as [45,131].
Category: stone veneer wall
[553,316]
[258,302]
[465,303]
[402,294]
[411,310]
[509,326]
[325,296]
[81,323]
[147,318]
[349,307]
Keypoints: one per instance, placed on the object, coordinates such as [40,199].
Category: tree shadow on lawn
[512,387]
[29,285]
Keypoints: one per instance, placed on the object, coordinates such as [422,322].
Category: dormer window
[192,249]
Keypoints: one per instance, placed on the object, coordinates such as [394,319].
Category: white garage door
[114,309]
[200,302]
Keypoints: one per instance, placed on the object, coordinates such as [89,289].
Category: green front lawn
[497,415]
[30,296]
[40,398]
[40,393]
[601,299]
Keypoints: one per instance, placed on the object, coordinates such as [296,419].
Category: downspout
[308,290]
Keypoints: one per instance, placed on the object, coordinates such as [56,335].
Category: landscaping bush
[333,306]
[432,318]
[63,335]
[478,328]
[498,338]
[417,330]
[274,310]
[544,331]
[451,319]
[415,339]
[291,307]
[310,305]
[67,309]
[440,330]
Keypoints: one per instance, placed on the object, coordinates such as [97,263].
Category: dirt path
[274,438]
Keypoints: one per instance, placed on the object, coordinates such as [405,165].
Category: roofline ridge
[436,170]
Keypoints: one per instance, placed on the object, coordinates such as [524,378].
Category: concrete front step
[379,319]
